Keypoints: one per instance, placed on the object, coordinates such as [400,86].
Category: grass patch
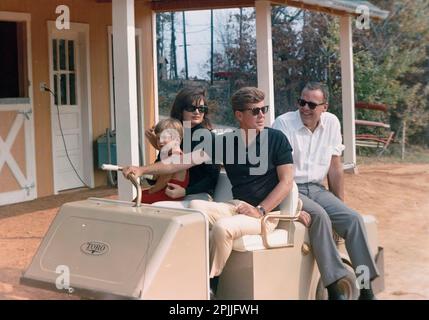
[413,154]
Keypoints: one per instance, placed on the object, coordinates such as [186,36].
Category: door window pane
[71,54]
[72,89]
[63,88]
[55,53]
[62,54]
[56,89]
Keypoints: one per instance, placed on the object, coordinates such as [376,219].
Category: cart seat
[278,238]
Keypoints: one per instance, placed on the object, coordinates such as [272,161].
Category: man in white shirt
[315,136]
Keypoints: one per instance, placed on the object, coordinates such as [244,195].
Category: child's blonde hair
[169,123]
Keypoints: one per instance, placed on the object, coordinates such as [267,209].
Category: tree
[239,55]
[391,64]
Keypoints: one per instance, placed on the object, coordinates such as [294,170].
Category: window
[63,54]
[13,60]
[214,49]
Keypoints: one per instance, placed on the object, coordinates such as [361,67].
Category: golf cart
[110,249]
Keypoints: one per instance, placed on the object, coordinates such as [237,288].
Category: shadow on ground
[54,201]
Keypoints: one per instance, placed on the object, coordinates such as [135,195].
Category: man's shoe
[334,292]
[212,295]
[337,297]
[366,294]
[213,287]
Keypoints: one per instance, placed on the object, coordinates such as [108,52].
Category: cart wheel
[347,286]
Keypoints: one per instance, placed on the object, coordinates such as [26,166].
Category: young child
[168,131]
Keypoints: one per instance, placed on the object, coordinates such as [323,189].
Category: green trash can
[102,149]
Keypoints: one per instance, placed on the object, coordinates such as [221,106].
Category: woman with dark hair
[184,104]
[190,106]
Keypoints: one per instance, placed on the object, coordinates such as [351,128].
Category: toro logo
[94,248]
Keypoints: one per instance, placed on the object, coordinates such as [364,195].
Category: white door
[64,66]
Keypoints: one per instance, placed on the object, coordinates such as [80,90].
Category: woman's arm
[151,136]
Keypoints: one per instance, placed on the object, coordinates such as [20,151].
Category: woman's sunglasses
[310,104]
[255,111]
[201,109]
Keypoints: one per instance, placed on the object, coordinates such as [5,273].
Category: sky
[197,38]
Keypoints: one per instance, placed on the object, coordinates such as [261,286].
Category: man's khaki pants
[226,225]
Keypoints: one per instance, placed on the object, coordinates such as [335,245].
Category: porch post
[146,20]
[348,92]
[264,55]
[124,52]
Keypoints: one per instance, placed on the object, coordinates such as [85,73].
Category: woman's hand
[151,136]
[137,171]
[175,191]
[247,209]
[305,218]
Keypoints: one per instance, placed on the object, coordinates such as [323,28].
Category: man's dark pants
[327,213]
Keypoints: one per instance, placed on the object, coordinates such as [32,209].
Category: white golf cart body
[100,248]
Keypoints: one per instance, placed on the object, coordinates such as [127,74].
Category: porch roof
[337,7]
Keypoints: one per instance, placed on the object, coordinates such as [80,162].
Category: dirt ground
[397,194]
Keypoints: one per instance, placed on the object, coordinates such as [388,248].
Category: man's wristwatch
[261,210]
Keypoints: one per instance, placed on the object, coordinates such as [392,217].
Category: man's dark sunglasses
[255,111]
[201,109]
[310,104]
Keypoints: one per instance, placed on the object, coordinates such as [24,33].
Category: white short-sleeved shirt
[312,151]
